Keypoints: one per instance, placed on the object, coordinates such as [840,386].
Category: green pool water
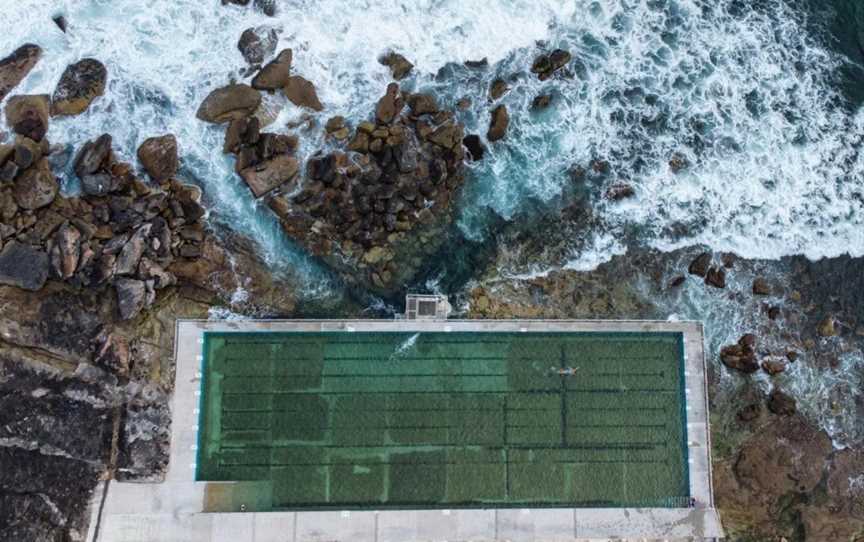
[420,420]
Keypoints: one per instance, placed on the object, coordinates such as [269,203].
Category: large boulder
[274,75]
[700,265]
[23,266]
[36,187]
[302,93]
[228,103]
[93,156]
[79,85]
[257,43]
[131,297]
[15,67]
[742,355]
[398,64]
[28,115]
[267,7]
[158,155]
[271,174]
[498,124]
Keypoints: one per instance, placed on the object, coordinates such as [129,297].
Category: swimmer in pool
[566,371]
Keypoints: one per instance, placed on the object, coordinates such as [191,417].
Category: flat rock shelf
[410,420]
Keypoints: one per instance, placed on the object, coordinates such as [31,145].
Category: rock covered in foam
[258,43]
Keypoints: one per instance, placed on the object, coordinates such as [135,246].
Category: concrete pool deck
[173,510]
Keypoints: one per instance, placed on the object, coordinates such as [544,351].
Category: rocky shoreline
[90,286]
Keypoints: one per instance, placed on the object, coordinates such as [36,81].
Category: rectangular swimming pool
[346,420]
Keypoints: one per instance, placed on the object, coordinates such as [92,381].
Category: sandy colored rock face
[159,157]
[79,85]
[229,103]
[302,93]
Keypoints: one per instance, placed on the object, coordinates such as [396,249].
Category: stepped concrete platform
[182,509]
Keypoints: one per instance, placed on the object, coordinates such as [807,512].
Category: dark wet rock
[131,297]
[546,65]
[258,43]
[389,105]
[742,355]
[93,156]
[228,103]
[699,266]
[541,101]
[761,286]
[716,277]
[498,124]
[781,403]
[275,74]
[678,162]
[398,64]
[620,191]
[728,259]
[302,93]
[60,21]
[242,131]
[774,312]
[28,115]
[271,174]
[23,266]
[133,249]
[99,184]
[267,7]
[475,146]
[677,281]
[35,187]
[422,104]
[27,152]
[477,64]
[159,157]
[497,89]
[80,84]
[236,2]
[15,67]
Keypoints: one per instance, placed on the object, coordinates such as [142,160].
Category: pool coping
[172,510]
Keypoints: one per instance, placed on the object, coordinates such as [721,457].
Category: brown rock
[699,265]
[334,123]
[826,327]
[741,356]
[677,281]
[447,136]
[113,354]
[15,67]
[242,131]
[781,403]
[93,156]
[275,74]
[228,103]
[773,366]
[302,93]
[65,251]
[28,115]
[359,143]
[80,84]
[36,187]
[390,105]
[761,287]
[541,102]
[257,43]
[158,155]
[499,88]
[398,64]
[498,124]
[27,152]
[271,174]
[130,254]
[716,277]
[422,104]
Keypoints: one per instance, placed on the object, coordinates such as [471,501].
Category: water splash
[404,348]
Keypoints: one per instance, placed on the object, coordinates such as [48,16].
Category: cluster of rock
[545,66]
[376,210]
[120,231]
[267,7]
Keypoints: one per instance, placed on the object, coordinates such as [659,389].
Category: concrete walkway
[171,511]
